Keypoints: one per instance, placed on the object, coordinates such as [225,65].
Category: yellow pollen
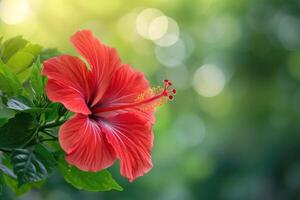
[153,91]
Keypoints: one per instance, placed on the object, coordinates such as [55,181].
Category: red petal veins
[72,99]
[102,59]
[85,144]
[68,82]
[132,138]
[125,87]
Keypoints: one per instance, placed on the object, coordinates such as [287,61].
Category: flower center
[150,99]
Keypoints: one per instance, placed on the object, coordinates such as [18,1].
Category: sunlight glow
[144,21]
[153,25]
[171,35]
[14,11]
[173,55]
[158,27]
[209,80]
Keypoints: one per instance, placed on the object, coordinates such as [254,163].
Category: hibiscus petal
[125,87]
[102,59]
[68,82]
[132,138]
[85,144]
[72,99]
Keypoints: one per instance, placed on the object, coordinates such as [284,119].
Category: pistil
[166,93]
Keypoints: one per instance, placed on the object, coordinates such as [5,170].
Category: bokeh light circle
[158,27]
[209,80]
[14,11]
[193,126]
[172,55]
[222,31]
[144,20]
[179,75]
[171,35]
[153,25]
[288,30]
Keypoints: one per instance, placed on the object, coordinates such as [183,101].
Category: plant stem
[49,139]
[55,124]
[49,134]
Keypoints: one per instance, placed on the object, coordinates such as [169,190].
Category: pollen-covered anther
[168,92]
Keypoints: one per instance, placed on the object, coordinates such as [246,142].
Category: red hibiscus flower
[114,108]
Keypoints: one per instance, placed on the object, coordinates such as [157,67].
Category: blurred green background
[233,130]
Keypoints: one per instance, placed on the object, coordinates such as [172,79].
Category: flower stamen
[147,100]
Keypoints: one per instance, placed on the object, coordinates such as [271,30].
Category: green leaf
[89,181]
[5,166]
[33,49]
[11,46]
[37,81]
[1,39]
[17,132]
[1,183]
[7,171]
[19,103]
[45,156]
[49,53]
[9,83]
[50,116]
[20,190]
[36,110]
[11,179]
[24,75]
[20,61]
[27,166]
[5,115]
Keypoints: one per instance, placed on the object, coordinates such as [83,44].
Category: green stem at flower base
[52,125]
[49,134]
[49,139]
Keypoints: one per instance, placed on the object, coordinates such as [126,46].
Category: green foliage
[28,167]
[11,180]
[19,103]
[49,53]
[17,132]
[20,61]
[19,54]
[9,83]
[33,49]
[5,115]
[37,81]
[45,156]
[20,190]
[7,171]
[50,116]
[11,46]
[1,182]
[23,104]
[89,181]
